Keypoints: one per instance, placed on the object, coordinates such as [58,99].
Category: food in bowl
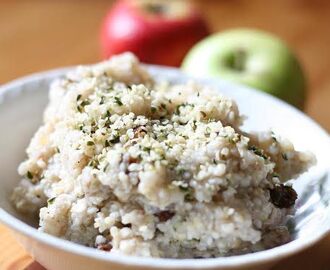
[127,164]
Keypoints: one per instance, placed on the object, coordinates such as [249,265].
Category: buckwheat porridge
[126,164]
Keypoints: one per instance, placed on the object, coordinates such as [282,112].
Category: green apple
[250,57]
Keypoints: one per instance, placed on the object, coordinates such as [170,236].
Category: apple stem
[155,8]
[238,60]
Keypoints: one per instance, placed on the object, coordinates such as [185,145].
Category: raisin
[283,196]
[164,215]
[105,247]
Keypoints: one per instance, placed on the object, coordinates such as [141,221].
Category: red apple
[158,32]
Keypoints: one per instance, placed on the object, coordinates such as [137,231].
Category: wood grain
[37,35]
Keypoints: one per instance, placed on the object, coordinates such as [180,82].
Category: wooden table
[37,35]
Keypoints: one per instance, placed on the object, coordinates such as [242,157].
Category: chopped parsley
[193,124]
[284,156]
[105,167]
[84,103]
[181,171]
[153,109]
[274,137]
[183,189]
[147,149]
[275,175]
[118,101]
[106,143]
[178,107]
[116,139]
[93,163]
[257,151]
[29,175]
[90,143]
[51,200]
[189,194]
[80,109]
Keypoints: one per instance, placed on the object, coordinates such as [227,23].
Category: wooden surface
[39,35]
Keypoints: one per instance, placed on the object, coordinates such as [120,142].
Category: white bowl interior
[20,115]
[22,103]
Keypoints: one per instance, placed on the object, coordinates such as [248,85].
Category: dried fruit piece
[164,215]
[283,196]
[105,247]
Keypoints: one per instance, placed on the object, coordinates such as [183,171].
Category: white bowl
[21,105]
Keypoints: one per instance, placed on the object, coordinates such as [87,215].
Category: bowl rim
[260,257]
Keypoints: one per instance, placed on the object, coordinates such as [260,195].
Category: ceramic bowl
[21,105]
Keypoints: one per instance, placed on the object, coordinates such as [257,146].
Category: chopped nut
[139,131]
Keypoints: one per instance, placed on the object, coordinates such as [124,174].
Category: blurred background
[37,35]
